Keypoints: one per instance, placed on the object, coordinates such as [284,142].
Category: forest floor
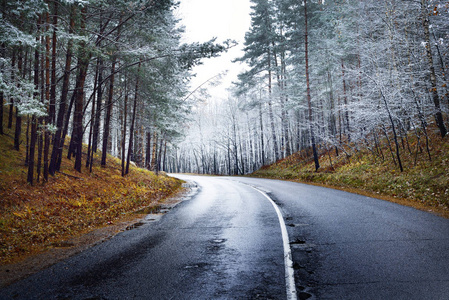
[424,183]
[72,209]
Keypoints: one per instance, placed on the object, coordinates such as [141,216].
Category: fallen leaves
[33,218]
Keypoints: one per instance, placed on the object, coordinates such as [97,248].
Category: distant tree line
[110,74]
[334,75]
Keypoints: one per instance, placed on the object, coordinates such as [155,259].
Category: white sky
[223,19]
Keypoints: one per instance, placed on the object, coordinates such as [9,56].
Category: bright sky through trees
[205,19]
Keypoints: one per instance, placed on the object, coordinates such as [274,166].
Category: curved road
[225,242]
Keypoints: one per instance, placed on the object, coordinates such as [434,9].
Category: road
[226,242]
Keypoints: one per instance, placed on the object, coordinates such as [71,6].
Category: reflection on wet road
[225,242]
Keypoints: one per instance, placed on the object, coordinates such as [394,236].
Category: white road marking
[288,262]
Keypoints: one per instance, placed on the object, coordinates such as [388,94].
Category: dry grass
[424,184]
[33,218]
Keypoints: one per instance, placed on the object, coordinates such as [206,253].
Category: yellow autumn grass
[424,184]
[33,218]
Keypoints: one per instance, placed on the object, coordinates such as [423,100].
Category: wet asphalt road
[225,242]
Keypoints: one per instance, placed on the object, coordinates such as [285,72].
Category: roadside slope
[424,184]
[37,218]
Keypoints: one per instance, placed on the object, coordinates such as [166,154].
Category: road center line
[288,262]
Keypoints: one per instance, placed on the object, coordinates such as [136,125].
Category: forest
[329,76]
[113,77]
[106,76]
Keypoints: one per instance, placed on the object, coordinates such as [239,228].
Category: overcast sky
[223,19]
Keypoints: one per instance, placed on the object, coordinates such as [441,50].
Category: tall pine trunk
[107,120]
[48,97]
[83,59]
[270,109]
[18,127]
[125,115]
[432,75]
[2,95]
[58,143]
[96,128]
[11,100]
[133,120]
[34,121]
[309,100]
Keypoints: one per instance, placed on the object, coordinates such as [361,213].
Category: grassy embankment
[36,218]
[423,185]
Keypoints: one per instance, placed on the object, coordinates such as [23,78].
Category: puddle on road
[135,225]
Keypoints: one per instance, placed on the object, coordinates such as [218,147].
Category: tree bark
[432,75]
[270,110]
[125,114]
[154,152]
[345,99]
[34,121]
[18,127]
[133,120]
[58,143]
[2,95]
[11,105]
[262,143]
[89,159]
[107,121]
[96,129]
[309,100]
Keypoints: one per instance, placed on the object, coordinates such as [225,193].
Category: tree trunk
[164,157]
[96,129]
[34,121]
[270,110]
[48,95]
[92,120]
[52,111]
[133,120]
[395,137]
[1,111]
[432,75]
[154,152]
[18,128]
[309,100]
[345,99]
[148,151]
[58,143]
[11,105]
[107,121]
[2,95]
[262,143]
[84,59]
[159,156]
[124,121]
[32,150]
